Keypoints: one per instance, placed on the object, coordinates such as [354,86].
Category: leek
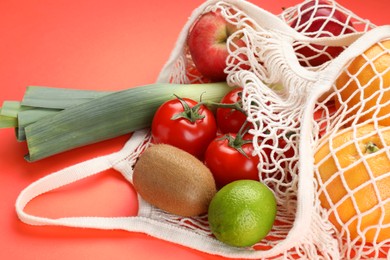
[39,102]
[56,120]
[7,121]
[58,98]
[11,108]
[28,117]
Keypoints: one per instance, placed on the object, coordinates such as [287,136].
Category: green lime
[242,213]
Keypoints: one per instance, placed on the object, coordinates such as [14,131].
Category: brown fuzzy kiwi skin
[173,180]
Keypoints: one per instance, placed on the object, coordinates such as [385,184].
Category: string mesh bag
[296,109]
[317,19]
[352,163]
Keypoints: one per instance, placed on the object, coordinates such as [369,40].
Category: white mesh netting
[317,119]
[277,112]
[353,159]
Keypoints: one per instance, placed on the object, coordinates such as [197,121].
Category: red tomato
[227,164]
[230,120]
[192,137]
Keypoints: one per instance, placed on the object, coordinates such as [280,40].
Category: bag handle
[143,222]
[121,161]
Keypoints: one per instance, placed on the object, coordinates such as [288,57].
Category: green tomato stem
[191,114]
[236,106]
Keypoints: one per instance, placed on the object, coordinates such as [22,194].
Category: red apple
[207,44]
[317,19]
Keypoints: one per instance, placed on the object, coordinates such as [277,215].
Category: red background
[87,44]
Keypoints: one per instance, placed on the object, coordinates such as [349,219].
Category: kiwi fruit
[173,180]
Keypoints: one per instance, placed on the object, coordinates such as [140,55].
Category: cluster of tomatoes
[221,139]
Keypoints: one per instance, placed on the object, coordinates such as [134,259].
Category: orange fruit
[353,171]
[363,81]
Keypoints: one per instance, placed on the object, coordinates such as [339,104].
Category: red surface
[107,45]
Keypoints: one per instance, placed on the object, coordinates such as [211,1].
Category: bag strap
[143,222]
[121,161]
